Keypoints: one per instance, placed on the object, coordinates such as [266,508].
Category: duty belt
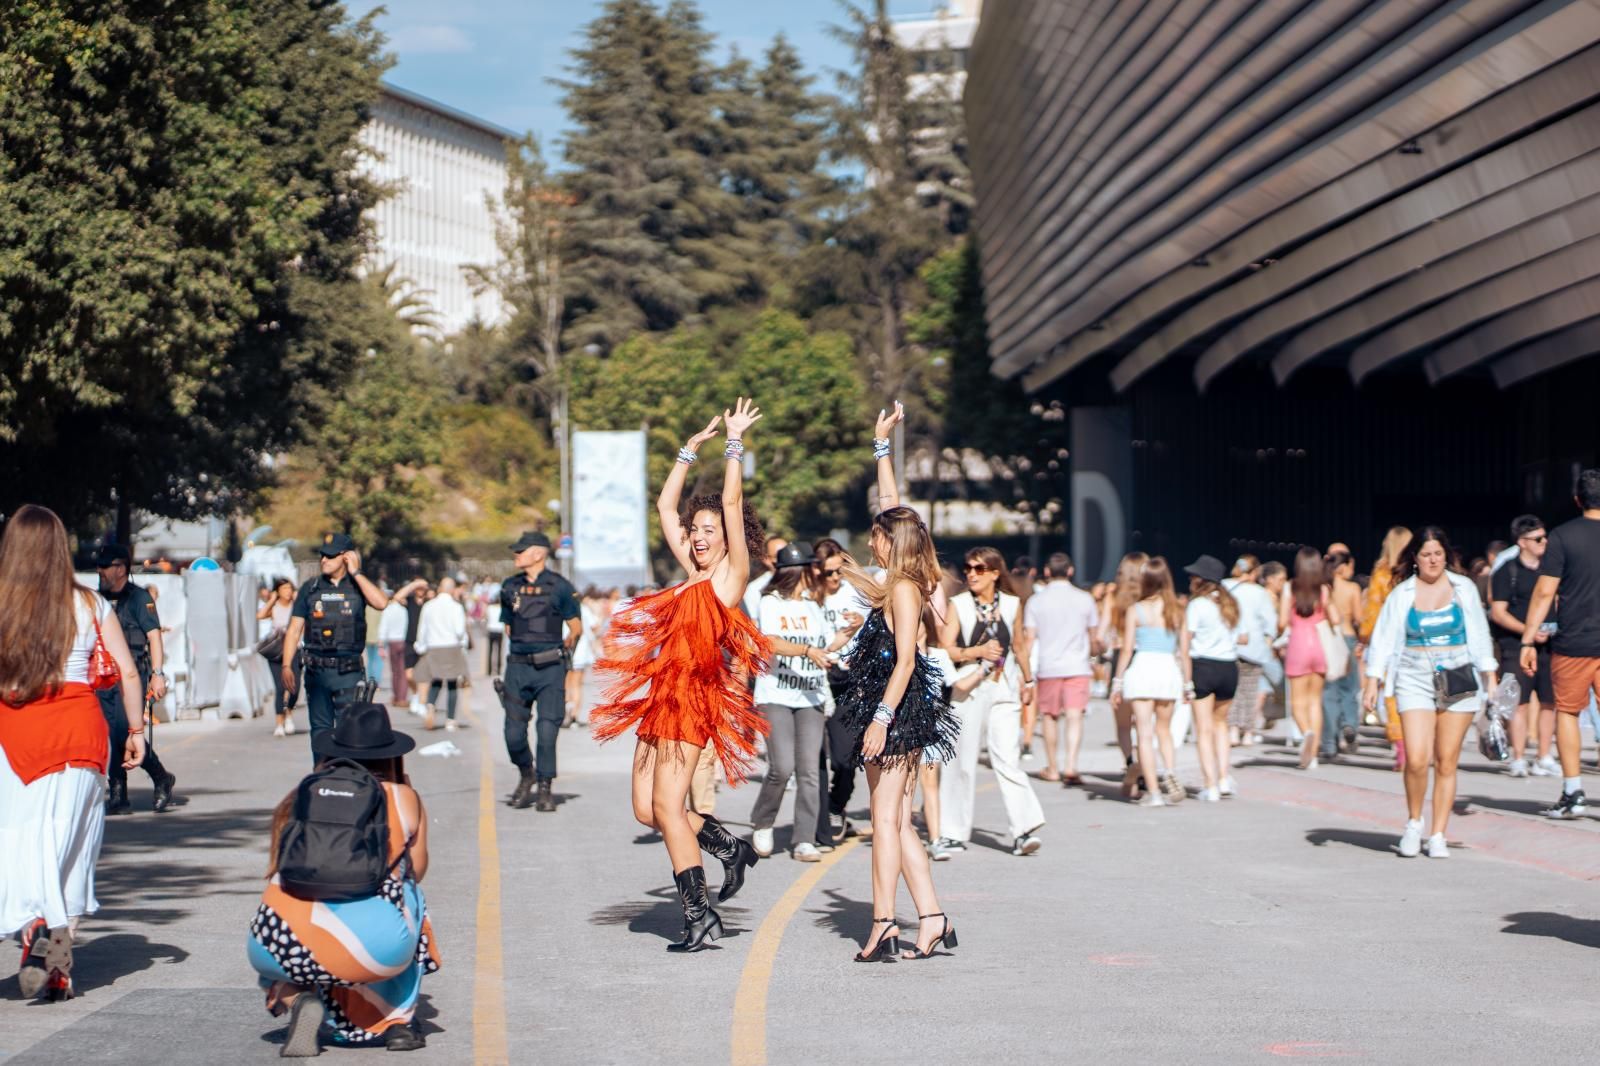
[345,664]
[542,657]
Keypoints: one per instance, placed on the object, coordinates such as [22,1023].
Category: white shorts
[1413,681]
[1153,675]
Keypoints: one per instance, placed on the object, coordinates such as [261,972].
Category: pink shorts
[1059,694]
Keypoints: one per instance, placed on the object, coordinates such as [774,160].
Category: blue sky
[491,58]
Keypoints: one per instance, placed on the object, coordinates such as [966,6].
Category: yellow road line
[750,1006]
[488,985]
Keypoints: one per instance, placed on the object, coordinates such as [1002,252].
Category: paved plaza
[1281,924]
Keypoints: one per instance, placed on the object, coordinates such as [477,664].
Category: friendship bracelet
[735,449]
[880,447]
[884,715]
[687,457]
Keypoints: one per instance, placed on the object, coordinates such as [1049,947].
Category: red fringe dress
[696,656]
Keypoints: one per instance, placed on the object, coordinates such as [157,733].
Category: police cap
[336,544]
[111,554]
[531,539]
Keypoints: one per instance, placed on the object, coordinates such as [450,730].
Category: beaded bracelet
[734,450]
[884,715]
[880,447]
[687,457]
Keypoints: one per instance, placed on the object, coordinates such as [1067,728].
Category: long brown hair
[992,558]
[1125,587]
[911,558]
[1226,604]
[37,586]
[1310,577]
[1155,581]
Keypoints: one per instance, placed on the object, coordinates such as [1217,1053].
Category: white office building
[442,163]
[930,38]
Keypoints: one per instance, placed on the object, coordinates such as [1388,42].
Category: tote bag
[1335,652]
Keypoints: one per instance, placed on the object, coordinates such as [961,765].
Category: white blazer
[966,608]
[1389,635]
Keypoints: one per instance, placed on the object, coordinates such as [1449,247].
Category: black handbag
[271,645]
[1453,684]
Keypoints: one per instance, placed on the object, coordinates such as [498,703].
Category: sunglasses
[978,568]
[1540,539]
[832,571]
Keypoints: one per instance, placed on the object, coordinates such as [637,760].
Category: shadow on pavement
[1353,837]
[1498,803]
[848,918]
[1585,932]
[139,872]
[107,959]
[665,918]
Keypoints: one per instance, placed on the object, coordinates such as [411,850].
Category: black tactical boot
[523,796]
[117,798]
[163,790]
[734,853]
[700,922]
[545,801]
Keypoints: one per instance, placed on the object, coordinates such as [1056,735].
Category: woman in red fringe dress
[682,657]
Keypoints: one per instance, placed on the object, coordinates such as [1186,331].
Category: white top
[1010,679]
[753,591]
[1258,619]
[392,623]
[794,680]
[281,613]
[1063,617]
[77,667]
[1210,637]
[1388,643]
[443,624]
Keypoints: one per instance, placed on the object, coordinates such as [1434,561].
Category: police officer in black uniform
[330,613]
[136,611]
[536,606]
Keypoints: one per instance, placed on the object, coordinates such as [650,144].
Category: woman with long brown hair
[894,708]
[1121,594]
[1394,542]
[1306,604]
[679,675]
[1153,674]
[54,637]
[1215,634]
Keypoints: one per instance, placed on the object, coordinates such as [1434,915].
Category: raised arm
[882,434]
[738,422]
[905,607]
[672,494]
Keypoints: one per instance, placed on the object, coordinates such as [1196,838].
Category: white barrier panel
[610,504]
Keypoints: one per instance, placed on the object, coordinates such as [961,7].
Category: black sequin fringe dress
[924,728]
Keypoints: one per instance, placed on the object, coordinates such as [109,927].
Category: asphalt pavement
[1280,924]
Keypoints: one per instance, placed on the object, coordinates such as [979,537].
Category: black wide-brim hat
[362,732]
[1207,568]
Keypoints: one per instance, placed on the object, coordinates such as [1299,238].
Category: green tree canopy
[180,213]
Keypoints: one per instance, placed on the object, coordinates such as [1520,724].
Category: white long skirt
[50,834]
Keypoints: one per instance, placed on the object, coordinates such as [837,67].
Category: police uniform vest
[535,618]
[129,607]
[333,615]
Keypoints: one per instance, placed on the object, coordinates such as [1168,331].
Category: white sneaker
[761,840]
[1546,767]
[1228,787]
[1437,848]
[1210,795]
[278,732]
[1519,768]
[788,786]
[1411,840]
[937,851]
[1154,799]
[450,725]
[288,726]
[806,852]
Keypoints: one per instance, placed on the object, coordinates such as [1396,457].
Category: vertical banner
[611,505]
[1102,489]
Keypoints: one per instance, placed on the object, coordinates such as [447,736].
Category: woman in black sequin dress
[896,713]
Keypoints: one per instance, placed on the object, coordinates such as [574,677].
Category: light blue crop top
[1444,628]
[1153,638]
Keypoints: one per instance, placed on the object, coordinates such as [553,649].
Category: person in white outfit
[984,635]
[442,649]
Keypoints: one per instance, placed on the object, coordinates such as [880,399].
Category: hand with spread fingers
[745,414]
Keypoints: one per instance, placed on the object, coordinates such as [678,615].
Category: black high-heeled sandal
[887,949]
[947,937]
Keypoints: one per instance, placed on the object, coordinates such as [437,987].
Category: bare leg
[1546,717]
[1074,720]
[1222,751]
[674,765]
[1449,732]
[929,775]
[886,790]
[644,778]
[1122,711]
[1521,719]
[1144,714]
[917,870]
[1052,733]
[1418,727]
[1204,742]
[1569,744]
[1169,751]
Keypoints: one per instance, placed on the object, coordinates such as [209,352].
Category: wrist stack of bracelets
[880,447]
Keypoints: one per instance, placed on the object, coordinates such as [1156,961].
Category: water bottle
[1503,704]
[1493,741]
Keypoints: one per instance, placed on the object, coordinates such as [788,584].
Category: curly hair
[755,537]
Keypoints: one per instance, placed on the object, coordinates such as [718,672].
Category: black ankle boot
[700,922]
[544,799]
[734,853]
[117,798]
[523,796]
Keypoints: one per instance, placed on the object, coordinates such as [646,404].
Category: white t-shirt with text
[794,680]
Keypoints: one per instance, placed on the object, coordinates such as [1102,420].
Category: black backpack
[335,846]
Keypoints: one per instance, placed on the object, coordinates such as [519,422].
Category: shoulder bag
[103,670]
[1335,652]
